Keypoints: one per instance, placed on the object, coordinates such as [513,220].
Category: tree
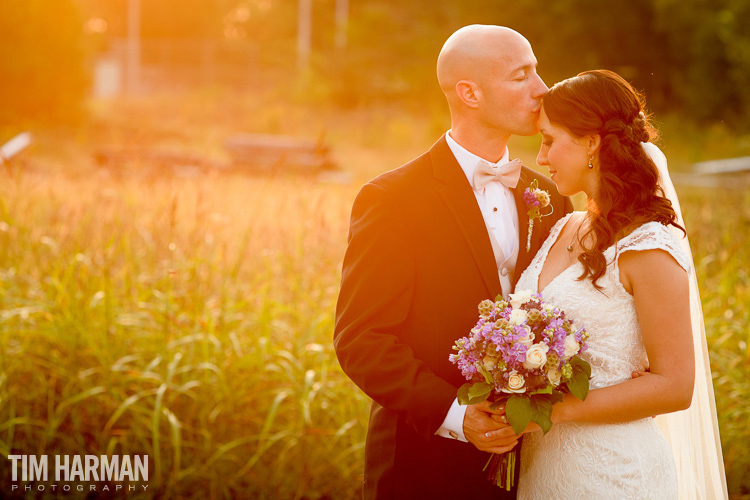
[42,60]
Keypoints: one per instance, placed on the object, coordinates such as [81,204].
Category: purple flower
[495,347]
[530,199]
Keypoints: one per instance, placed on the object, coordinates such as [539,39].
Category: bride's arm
[660,290]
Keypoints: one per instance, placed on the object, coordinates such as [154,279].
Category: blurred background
[333,69]
[690,57]
[171,239]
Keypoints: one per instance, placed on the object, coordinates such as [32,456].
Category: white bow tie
[486,172]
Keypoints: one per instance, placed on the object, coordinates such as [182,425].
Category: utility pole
[133,58]
[304,34]
[342,22]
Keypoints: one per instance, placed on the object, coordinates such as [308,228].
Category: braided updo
[628,195]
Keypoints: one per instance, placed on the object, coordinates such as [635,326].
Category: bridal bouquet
[522,354]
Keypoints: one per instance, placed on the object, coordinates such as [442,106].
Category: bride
[623,269]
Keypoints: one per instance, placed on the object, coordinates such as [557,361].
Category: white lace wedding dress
[630,460]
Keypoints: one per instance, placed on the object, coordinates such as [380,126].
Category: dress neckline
[552,240]
[555,236]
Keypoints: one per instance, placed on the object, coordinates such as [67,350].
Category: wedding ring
[503,419]
[486,434]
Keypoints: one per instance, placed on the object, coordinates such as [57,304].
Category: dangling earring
[591,165]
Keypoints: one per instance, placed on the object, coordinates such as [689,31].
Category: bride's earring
[591,165]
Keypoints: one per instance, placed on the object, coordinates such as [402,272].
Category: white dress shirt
[498,209]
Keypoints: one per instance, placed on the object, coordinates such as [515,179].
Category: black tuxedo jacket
[418,263]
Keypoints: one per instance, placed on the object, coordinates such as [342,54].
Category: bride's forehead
[546,127]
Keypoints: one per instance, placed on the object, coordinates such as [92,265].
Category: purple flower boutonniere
[536,199]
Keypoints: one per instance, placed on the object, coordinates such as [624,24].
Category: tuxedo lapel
[456,191]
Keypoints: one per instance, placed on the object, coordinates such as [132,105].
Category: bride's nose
[541,159]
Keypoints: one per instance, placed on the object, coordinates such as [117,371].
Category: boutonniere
[536,199]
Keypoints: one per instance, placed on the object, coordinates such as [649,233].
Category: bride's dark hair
[628,195]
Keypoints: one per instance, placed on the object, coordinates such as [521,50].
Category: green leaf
[578,385]
[498,297]
[541,411]
[518,412]
[556,397]
[546,390]
[480,389]
[499,402]
[577,362]
[468,394]
[463,394]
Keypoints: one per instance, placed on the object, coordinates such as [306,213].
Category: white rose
[520,297]
[536,356]
[571,347]
[554,375]
[517,316]
[528,339]
[543,197]
[516,383]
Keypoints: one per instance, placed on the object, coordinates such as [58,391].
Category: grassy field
[189,317]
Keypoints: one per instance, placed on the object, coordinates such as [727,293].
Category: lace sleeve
[655,236]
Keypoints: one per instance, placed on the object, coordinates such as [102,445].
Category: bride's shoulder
[656,236]
[648,231]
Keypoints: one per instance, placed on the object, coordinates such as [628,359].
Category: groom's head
[488,75]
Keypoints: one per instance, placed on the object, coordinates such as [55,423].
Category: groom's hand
[485,432]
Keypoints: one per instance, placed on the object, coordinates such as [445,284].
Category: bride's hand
[485,429]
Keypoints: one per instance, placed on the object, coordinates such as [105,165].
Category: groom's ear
[468,92]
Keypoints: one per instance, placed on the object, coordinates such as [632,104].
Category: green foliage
[471,394]
[709,56]
[578,385]
[521,409]
[541,411]
[518,411]
[689,56]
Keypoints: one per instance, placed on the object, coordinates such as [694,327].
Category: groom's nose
[539,87]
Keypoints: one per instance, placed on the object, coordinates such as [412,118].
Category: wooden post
[342,22]
[304,33]
[133,61]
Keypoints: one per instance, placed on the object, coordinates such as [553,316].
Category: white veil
[693,433]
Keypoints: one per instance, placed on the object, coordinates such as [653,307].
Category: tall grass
[190,319]
[718,222]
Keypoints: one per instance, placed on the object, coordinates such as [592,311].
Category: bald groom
[427,243]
